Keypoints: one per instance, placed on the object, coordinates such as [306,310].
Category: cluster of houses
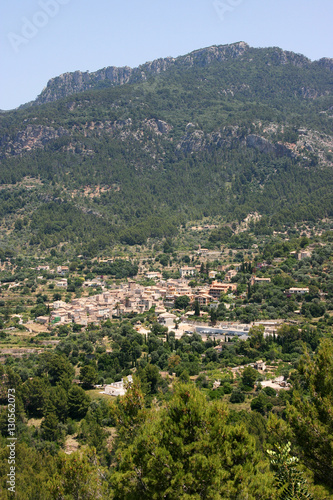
[291,291]
[94,283]
[61,270]
[131,297]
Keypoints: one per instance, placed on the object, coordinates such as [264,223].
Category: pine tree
[196,308]
[50,427]
[311,412]
[188,450]
[289,479]
[78,402]
[79,476]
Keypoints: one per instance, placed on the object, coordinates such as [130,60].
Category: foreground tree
[289,478]
[34,395]
[311,412]
[34,468]
[129,413]
[78,476]
[188,450]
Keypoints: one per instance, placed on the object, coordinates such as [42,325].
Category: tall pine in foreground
[311,412]
[187,450]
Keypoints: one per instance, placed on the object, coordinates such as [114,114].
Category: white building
[187,271]
[298,291]
[167,319]
[118,388]
[62,283]
[153,275]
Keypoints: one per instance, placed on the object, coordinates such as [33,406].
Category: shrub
[237,396]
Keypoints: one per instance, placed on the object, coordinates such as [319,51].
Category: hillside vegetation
[222,132]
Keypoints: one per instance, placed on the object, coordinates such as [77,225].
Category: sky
[41,39]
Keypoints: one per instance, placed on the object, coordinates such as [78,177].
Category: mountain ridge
[78,81]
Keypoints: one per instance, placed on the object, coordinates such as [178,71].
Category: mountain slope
[223,131]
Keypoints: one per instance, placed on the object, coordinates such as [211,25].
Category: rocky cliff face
[33,137]
[194,140]
[267,147]
[78,81]
[140,123]
[70,83]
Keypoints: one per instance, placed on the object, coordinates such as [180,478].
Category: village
[132,298]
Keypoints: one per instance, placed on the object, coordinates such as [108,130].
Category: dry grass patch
[71,444]
[34,422]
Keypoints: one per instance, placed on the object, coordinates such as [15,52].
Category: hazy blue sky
[44,38]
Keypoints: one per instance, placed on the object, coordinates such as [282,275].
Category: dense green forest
[180,441]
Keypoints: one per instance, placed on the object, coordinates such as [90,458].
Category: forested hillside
[224,131]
